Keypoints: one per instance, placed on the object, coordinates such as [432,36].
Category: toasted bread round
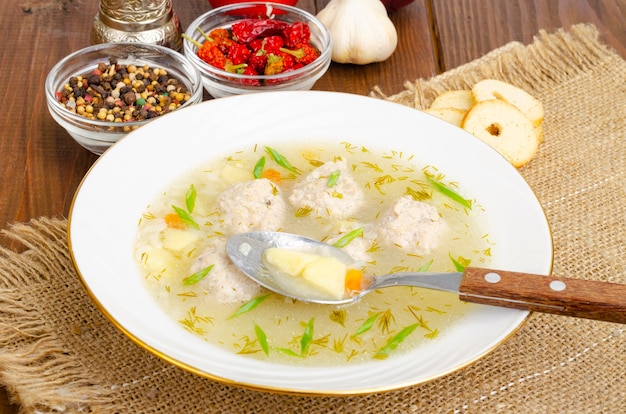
[539,133]
[488,89]
[452,115]
[458,99]
[505,128]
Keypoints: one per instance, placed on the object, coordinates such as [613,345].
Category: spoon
[563,296]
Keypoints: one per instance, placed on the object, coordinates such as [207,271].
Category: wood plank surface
[467,29]
[41,166]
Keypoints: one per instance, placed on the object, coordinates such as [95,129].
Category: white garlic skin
[361,31]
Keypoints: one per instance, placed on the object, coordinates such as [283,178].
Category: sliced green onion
[281,160]
[425,266]
[333,178]
[459,264]
[348,237]
[367,325]
[258,168]
[307,337]
[198,276]
[248,306]
[186,217]
[190,198]
[287,351]
[260,335]
[395,341]
[449,193]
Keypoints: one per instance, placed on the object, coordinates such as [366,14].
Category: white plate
[115,192]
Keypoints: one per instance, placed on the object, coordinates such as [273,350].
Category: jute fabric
[59,354]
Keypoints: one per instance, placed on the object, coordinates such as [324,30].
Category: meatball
[357,248]
[225,283]
[252,205]
[412,225]
[338,200]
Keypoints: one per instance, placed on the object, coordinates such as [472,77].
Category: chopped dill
[353,353]
[192,319]
[349,147]
[418,195]
[431,309]
[303,211]
[386,321]
[432,334]
[338,344]
[373,166]
[339,316]
[249,346]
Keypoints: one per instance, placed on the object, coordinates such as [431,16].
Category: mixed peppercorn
[258,47]
[123,93]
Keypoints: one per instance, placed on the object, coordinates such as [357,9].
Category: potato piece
[328,275]
[290,262]
[233,174]
[178,240]
[158,261]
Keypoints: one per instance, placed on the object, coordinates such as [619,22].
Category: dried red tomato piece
[239,53]
[296,33]
[247,30]
[258,61]
[212,55]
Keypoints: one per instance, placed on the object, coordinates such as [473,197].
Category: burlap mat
[59,354]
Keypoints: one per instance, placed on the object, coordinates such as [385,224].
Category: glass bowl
[97,135]
[221,83]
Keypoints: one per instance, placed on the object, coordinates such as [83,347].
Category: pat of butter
[327,274]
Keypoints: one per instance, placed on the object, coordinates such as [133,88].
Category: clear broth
[382,324]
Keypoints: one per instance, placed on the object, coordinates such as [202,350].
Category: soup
[388,212]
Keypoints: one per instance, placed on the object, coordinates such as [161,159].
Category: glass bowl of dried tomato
[102,92]
[257,47]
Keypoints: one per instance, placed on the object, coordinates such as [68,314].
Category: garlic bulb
[361,31]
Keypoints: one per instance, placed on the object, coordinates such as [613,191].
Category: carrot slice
[174,221]
[354,280]
[272,175]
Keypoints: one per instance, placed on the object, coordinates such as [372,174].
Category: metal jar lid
[141,21]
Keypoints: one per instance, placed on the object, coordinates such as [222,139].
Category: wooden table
[41,166]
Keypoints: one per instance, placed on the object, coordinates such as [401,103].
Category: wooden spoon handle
[563,296]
